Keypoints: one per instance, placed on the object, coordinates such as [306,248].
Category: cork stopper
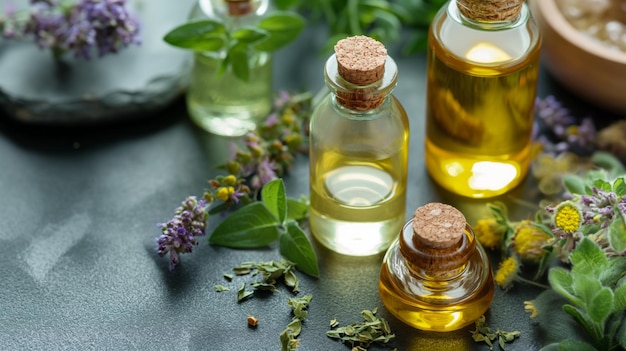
[361,62]
[437,243]
[438,226]
[490,10]
[239,7]
[360,59]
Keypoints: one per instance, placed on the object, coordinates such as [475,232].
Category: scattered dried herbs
[362,335]
[220,288]
[484,333]
[288,338]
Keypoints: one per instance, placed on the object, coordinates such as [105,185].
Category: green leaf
[562,281]
[603,185]
[273,196]
[296,209]
[619,187]
[588,258]
[249,227]
[238,59]
[608,161]
[601,306]
[615,270]
[574,184]
[621,336]
[249,35]
[206,35]
[283,27]
[296,247]
[586,286]
[619,297]
[617,233]
[584,320]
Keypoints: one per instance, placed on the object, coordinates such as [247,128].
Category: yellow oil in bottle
[436,289]
[480,109]
[357,208]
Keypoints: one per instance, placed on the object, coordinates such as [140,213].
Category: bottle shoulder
[501,44]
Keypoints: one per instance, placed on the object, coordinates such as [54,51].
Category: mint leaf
[601,306]
[617,233]
[575,345]
[238,59]
[574,184]
[283,28]
[296,209]
[561,281]
[249,227]
[619,297]
[603,185]
[206,35]
[588,258]
[296,247]
[273,196]
[249,35]
[619,187]
[615,270]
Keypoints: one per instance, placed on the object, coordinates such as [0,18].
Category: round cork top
[360,59]
[438,226]
[490,10]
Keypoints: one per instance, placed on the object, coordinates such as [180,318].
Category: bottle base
[475,177]
[355,238]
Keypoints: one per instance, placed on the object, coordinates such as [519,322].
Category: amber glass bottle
[483,66]
[359,135]
[220,102]
[436,276]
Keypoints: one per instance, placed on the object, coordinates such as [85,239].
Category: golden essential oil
[435,276]
[482,82]
[358,158]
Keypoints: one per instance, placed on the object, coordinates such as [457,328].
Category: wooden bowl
[582,64]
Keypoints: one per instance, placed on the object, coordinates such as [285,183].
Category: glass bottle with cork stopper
[483,68]
[436,276]
[359,135]
[218,100]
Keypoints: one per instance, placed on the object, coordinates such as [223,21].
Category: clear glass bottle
[359,135]
[220,102]
[436,276]
[483,67]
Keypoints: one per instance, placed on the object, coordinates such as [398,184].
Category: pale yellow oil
[357,208]
[223,103]
[479,116]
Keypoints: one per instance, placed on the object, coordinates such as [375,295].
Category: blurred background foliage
[383,20]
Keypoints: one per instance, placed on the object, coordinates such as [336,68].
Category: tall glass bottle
[483,67]
[359,135]
[221,102]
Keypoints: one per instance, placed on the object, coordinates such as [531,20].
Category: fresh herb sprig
[238,44]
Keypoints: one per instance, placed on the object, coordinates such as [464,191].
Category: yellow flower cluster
[529,241]
[507,272]
[488,232]
[567,217]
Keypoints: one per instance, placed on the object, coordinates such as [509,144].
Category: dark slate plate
[138,81]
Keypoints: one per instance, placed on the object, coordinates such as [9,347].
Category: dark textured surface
[79,208]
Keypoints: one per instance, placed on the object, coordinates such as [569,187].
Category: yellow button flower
[567,217]
[488,232]
[529,241]
[507,272]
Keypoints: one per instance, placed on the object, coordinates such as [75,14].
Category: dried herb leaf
[228,276]
[362,335]
[288,337]
[483,333]
[242,294]
[220,288]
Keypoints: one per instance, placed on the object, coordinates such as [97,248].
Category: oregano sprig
[261,223]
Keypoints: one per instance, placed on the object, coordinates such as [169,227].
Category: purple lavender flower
[179,234]
[266,172]
[101,25]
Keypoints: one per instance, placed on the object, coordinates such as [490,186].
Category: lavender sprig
[179,233]
[85,27]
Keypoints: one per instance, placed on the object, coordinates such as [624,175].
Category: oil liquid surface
[224,104]
[356,208]
[479,117]
[435,308]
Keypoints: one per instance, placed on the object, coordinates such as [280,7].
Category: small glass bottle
[220,102]
[436,276]
[359,135]
[483,67]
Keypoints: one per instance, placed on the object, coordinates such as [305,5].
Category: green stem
[534,283]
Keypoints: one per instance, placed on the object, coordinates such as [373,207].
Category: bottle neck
[493,14]
[360,98]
